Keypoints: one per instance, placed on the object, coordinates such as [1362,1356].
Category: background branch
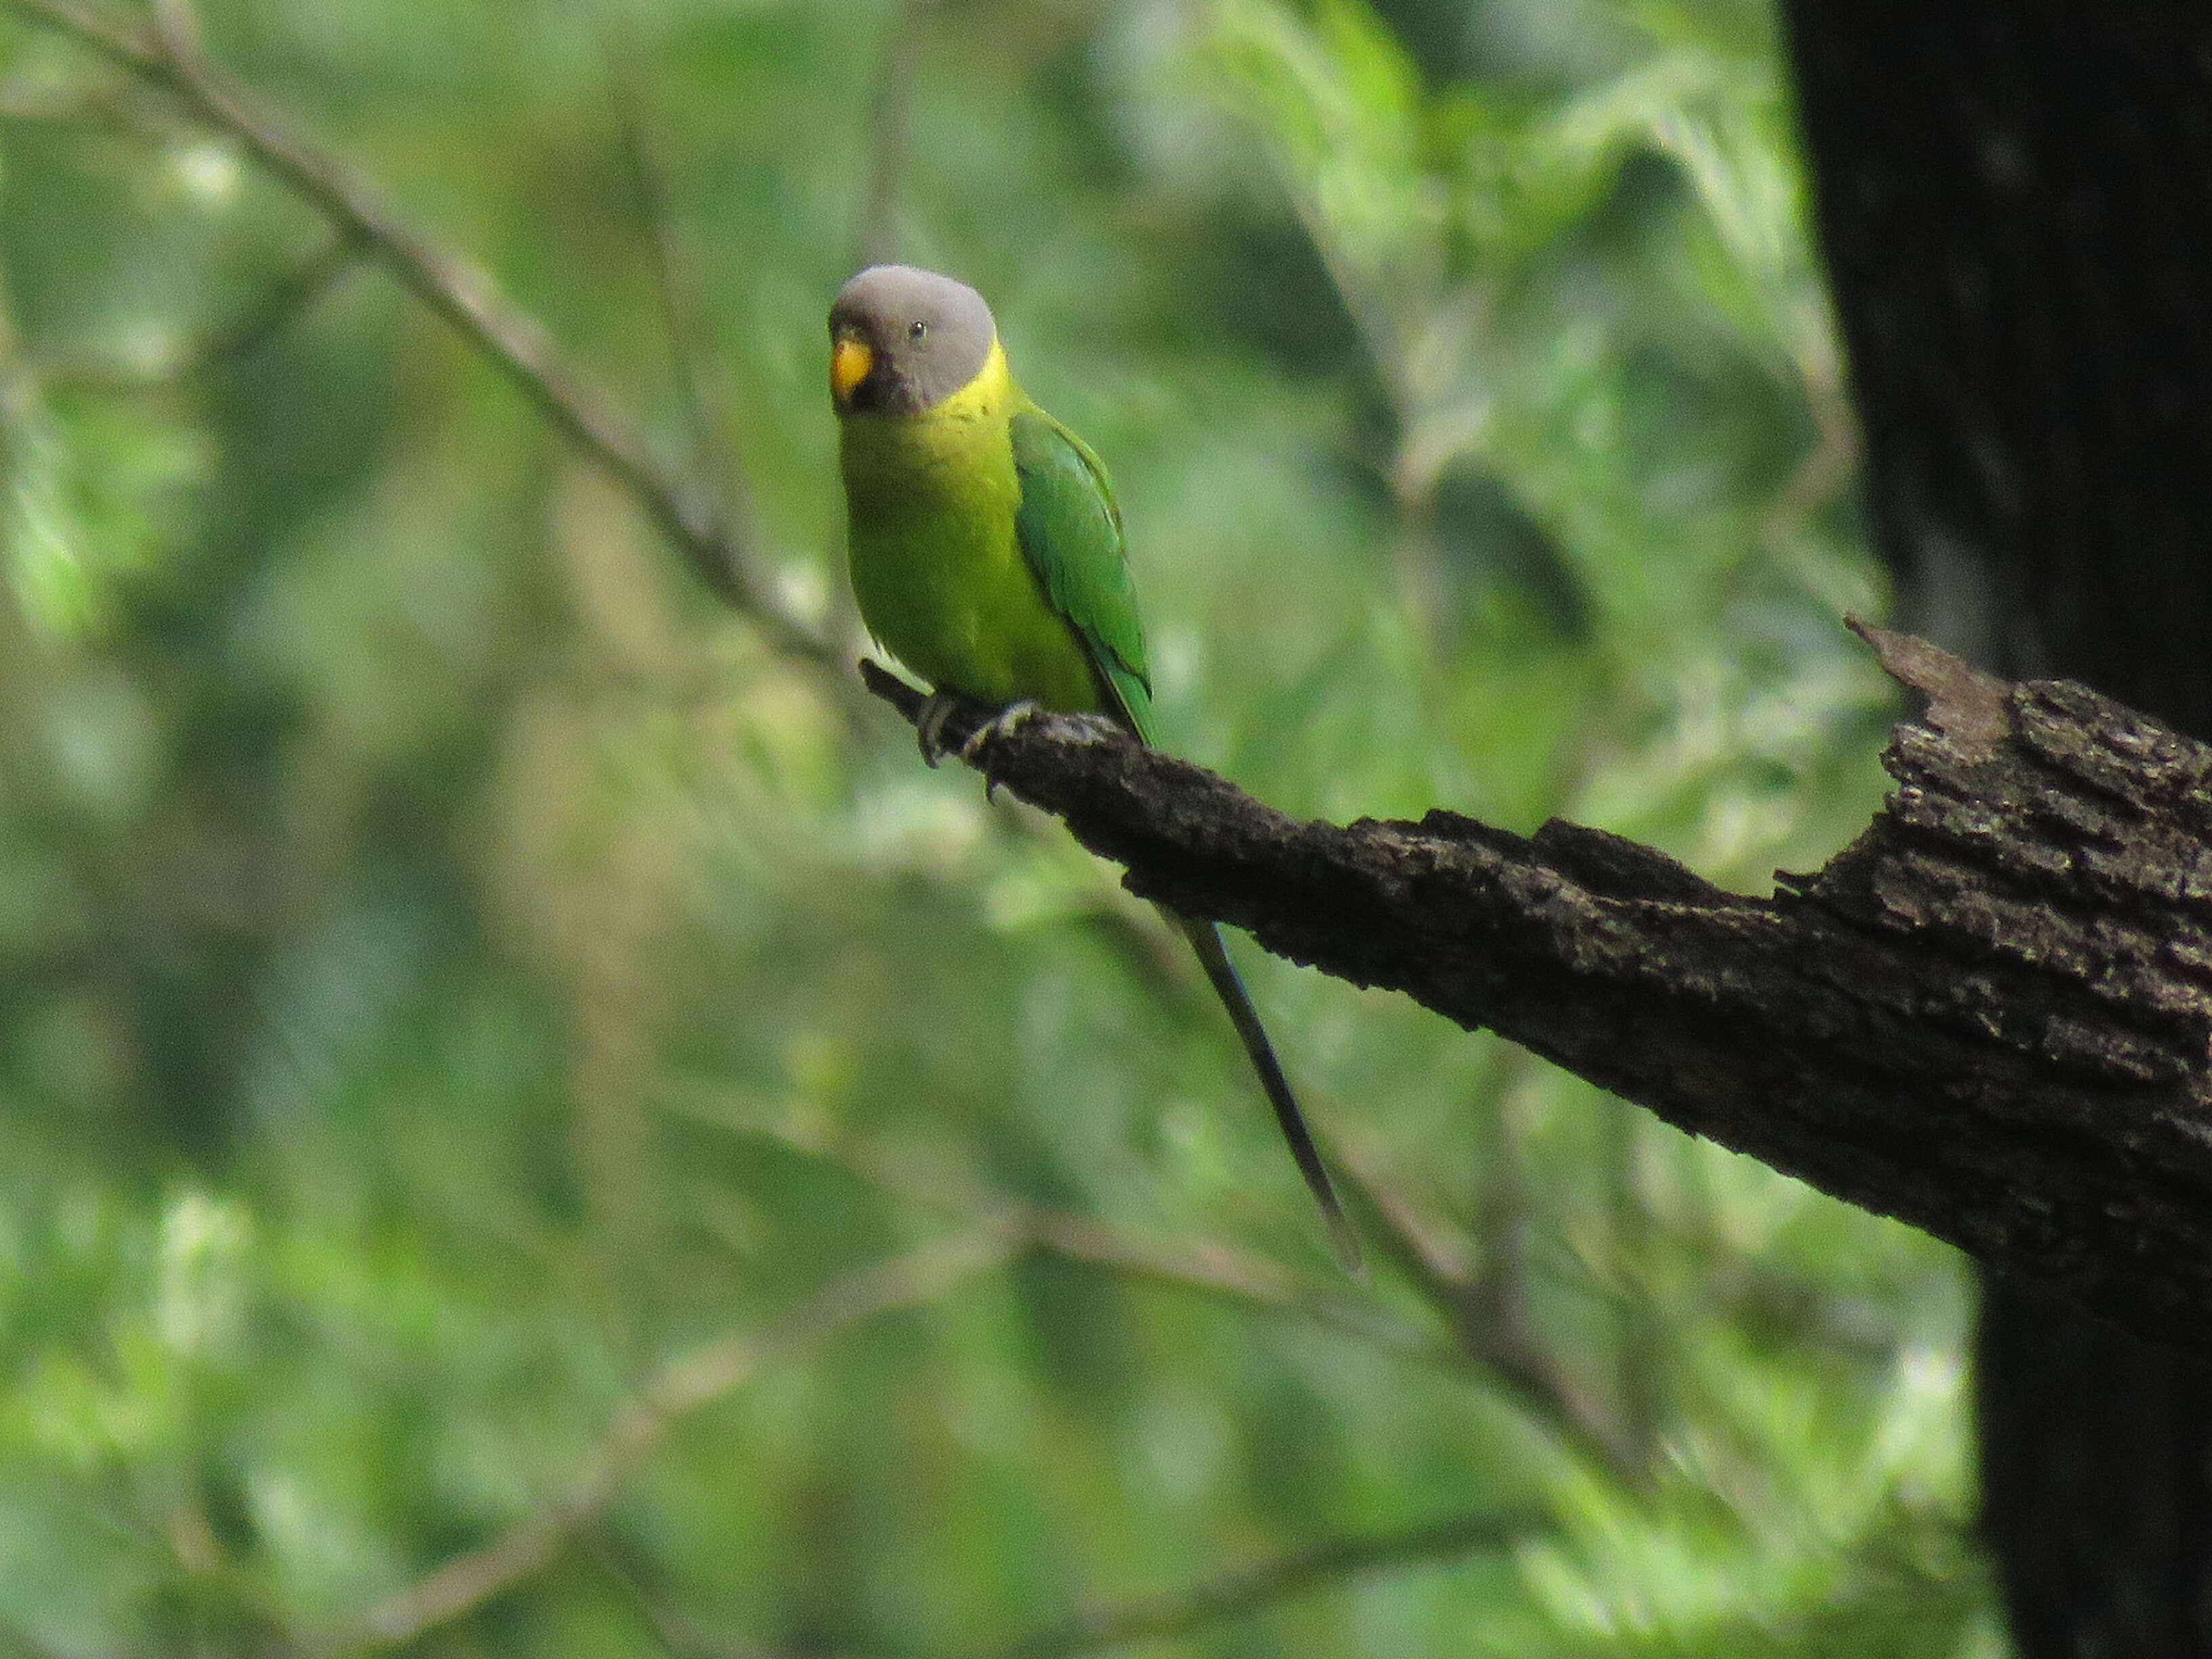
[682,308]
[463,293]
[680,1388]
[1483,1340]
[684,1386]
[1482,1314]
[292,293]
[1250,1589]
[876,229]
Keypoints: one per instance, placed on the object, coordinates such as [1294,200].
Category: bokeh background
[530,1123]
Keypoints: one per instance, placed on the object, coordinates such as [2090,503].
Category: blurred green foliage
[452,971]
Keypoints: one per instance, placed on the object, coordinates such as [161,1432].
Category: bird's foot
[1007,719]
[929,726]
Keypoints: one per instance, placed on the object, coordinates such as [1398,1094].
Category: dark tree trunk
[2016,202]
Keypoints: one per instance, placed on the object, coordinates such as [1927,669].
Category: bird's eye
[916,328]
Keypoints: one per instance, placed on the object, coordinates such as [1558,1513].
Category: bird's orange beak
[849,363]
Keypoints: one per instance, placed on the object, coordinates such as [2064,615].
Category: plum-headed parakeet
[987,554]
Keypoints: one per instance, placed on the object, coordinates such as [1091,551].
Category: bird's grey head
[904,340]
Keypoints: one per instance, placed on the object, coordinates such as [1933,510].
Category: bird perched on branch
[987,554]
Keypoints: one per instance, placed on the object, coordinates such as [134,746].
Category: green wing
[1070,534]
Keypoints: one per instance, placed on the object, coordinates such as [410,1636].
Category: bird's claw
[929,726]
[1006,721]
[937,709]
[1014,715]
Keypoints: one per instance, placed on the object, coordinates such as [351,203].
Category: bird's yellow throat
[985,393]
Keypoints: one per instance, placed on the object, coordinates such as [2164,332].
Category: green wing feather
[1070,534]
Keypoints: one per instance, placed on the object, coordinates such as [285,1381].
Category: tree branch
[467,1582]
[291,294]
[1485,1339]
[1483,1313]
[1241,1281]
[683,311]
[875,233]
[464,294]
[1250,1589]
[1991,1016]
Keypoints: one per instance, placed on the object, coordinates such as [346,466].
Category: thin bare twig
[1166,1615]
[1483,1344]
[291,294]
[100,108]
[469,1581]
[1250,1589]
[1237,1279]
[1503,1358]
[1409,1243]
[1204,1267]
[1826,467]
[463,293]
[677,1635]
[683,311]
[1483,1313]
[178,25]
[681,1387]
[681,1638]
[1233,1276]
[875,231]
[29,1642]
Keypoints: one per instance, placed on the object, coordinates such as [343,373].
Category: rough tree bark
[2012,204]
[1991,1016]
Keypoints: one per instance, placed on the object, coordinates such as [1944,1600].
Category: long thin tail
[1205,939]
